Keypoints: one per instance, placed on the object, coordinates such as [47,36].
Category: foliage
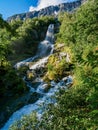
[8,86]
[18,40]
[58,67]
[26,123]
[4,24]
[77,107]
[4,43]
[28,34]
[15,24]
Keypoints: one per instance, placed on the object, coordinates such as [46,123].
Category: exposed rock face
[51,10]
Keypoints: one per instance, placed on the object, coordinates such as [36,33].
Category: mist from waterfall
[50,34]
[44,48]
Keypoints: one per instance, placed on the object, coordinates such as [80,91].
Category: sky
[11,7]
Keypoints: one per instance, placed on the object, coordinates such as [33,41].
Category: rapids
[45,49]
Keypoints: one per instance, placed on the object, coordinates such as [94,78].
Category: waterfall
[39,64]
[39,105]
[49,34]
[44,48]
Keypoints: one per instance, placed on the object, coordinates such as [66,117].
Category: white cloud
[31,8]
[46,3]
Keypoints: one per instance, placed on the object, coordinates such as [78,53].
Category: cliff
[51,10]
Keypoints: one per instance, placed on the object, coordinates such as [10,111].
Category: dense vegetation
[18,40]
[28,34]
[77,108]
[7,73]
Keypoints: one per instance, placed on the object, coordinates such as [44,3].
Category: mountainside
[51,10]
[77,107]
[48,69]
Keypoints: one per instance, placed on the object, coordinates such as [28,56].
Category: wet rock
[34,97]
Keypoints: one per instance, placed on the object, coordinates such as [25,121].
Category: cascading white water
[38,106]
[46,98]
[44,48]
[49,34]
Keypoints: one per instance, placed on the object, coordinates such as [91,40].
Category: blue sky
[11,7]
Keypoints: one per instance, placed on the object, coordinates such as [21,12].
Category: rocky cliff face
[51,10]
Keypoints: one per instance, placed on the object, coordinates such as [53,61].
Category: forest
[77,107]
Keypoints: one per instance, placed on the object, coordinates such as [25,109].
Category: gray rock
[51,10]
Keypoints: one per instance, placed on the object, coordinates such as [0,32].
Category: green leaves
[29,122]
[4,43]
[77,107]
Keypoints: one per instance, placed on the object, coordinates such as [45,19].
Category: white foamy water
[39,64]
[40,104]
[44,49]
